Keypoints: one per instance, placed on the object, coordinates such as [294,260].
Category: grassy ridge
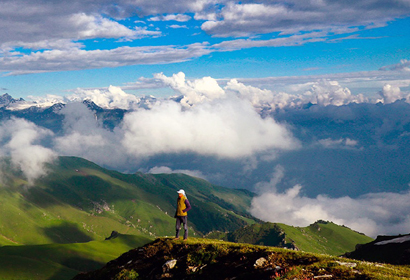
[324,237]
[203,259]
[320,237]
[62,261]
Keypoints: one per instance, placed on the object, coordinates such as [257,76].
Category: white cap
[181,191]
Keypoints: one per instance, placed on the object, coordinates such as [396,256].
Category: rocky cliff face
[385,249]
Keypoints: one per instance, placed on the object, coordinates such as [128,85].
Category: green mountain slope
[78,201]
[62,261]
[320,237]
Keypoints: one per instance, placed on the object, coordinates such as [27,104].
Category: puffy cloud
[91,26]
[261,98]
[22,143]
[111,98]
[218,125]
[227,128]
[83,135]
[196,91]
[323,92]
[391,94]
[372,214]
[331,93]
[171,17]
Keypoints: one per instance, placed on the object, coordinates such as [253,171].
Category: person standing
[181,215]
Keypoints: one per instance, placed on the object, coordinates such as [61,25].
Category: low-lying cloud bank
[229,128]
[372,214]
[21,142]
[275,93]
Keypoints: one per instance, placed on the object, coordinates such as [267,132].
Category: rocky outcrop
[385,249]
[204,259]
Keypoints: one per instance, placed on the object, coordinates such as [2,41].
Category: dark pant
[183,220]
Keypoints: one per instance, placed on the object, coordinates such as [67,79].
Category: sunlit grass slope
[62,261]
[320,237]
[324,237]
[78,201]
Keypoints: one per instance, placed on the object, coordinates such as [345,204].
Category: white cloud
[216,125]
[196,91]
[175,26]
[261,98]
[372,214]
[403,65]
[51,33]
[111,98]
[228,128]
[331,93]
[338,143]
[21,143]
[171,17]
[323,93]
[91,26]
[293,40]
[84,136]
[291,17]
[75,59]
[391,94]
[276,178]
[167,170]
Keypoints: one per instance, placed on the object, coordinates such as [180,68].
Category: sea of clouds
[318,153]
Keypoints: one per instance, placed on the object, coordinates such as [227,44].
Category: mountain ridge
[79,201]
[320,237]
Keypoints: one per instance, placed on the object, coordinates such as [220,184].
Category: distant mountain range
[48,114]
[6,100]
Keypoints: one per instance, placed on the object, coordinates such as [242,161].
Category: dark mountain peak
[385,249]
[6,99]
[92,106]
[54,108]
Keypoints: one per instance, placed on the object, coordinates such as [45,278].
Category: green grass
[79,201]
[62,261]
[320,237]
[215,259]
[212,248]
[324,237]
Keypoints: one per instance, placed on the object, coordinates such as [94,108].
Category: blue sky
[52,47]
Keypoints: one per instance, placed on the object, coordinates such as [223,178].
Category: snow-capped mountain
[6,100]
